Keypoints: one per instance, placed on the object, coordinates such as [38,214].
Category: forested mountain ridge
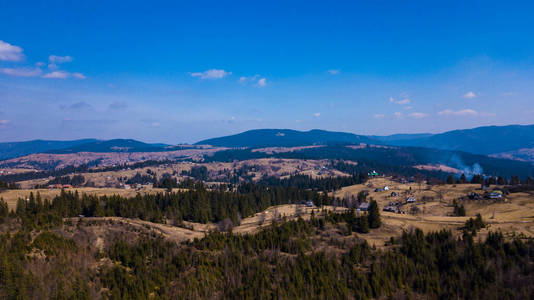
[481,140]
[285,138]
[15,149]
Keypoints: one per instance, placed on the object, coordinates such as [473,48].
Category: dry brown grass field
[513,215]
[263,168]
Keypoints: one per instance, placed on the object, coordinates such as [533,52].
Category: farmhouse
[364,206]
[390,208]
[495,195]
[410,200]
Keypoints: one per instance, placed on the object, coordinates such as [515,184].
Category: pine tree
[374,215]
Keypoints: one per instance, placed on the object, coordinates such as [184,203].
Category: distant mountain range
[482,140]
[17,149]
[514,141]
[116,145]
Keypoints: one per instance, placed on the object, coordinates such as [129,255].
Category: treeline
[75,180]
[8,186]
[84,168]
[490,180]
[319,184]
[197,205]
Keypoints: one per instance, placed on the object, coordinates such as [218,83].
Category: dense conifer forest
[279,261]
[43,255]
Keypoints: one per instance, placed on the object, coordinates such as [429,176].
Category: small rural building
[309,203]
[390,208]
[378,190]
[386,188]
[410,200]
[495,195]
[373,173]
[364,206]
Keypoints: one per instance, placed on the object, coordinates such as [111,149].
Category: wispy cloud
[77,106]
[255,80]
[57,74]
[211,74]
[333,72]
[261,82]
[118,105]
[4,122]
[78,75]
[21,72]
[470,95]
[403,101]
[10,52]
[317,114]
[418,115]
[63,75]
[54,60]
[397,114]
[463,112]
[379,116]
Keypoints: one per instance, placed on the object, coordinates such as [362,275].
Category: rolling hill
[16,149]
[286,138]
[482,140]
[115,145]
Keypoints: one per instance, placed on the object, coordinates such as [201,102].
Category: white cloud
[63,75]
[418,115]
[256,80]
[57,75]
[463,112]
[54,60]
[397,114]
[400,101]
[470,95]
[78,75]
[333,72]
[378,116]
[317,114]
[262,82]
[59,59]
[21,72]
[211,74]
[10,52]
[4,122]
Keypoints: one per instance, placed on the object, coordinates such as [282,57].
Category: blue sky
[180,72]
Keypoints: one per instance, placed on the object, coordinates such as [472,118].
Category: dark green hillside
[285,138]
